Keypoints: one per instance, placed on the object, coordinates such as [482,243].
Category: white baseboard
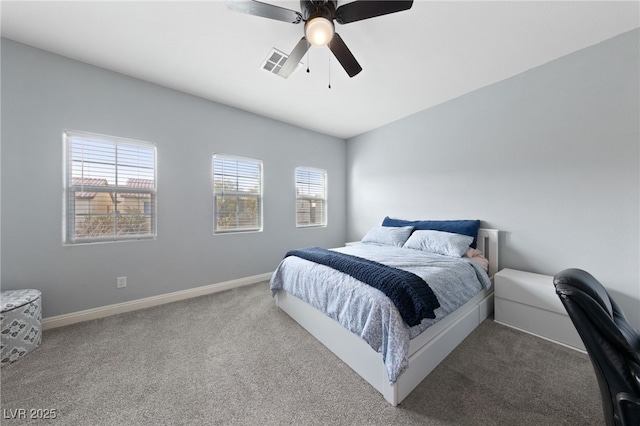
[542,337]
[147,302]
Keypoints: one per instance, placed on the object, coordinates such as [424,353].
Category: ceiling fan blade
[365,9]
[294,58]
[344,55]
[265,10]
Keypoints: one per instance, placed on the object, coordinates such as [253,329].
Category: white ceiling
[411,60]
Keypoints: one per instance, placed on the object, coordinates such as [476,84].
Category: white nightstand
[529,302]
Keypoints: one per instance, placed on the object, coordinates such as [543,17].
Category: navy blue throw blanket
[412,296]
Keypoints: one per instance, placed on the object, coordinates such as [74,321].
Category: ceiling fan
[319,28]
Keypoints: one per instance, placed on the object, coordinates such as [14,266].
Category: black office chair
[612,344]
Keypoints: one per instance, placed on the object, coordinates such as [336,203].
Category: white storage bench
[529,302]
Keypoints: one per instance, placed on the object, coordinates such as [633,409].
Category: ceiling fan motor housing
[318,8]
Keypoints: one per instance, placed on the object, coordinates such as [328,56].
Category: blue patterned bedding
[411,294]
[366,311]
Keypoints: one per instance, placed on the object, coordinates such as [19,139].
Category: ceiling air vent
[274,61]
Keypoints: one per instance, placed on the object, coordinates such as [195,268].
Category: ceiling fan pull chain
[308,62]
[329,72]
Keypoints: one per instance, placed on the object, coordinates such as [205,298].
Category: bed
[391,356]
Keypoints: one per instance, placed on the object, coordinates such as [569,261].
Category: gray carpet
[234,358]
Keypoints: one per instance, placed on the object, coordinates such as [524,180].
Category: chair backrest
[612,344]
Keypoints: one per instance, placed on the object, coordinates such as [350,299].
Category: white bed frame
[426,351]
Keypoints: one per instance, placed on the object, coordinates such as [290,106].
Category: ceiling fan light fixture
[319,31]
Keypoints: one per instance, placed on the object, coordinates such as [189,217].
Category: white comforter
[365,310]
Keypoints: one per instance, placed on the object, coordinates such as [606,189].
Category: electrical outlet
[121,282]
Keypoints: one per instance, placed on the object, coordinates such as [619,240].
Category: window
[237,194]
[110,188]
[311,197]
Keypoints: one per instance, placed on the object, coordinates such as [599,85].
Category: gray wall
[550,157]
[43,93]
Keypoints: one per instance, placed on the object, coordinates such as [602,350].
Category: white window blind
[311,197]
[110,188]
[237,190]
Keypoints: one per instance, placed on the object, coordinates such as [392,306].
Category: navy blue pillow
[464,227]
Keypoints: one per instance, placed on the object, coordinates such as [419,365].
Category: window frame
[259,196]
[323,198]
[69,216]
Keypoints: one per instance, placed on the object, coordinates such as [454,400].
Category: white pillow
[388,235]
[439,242]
